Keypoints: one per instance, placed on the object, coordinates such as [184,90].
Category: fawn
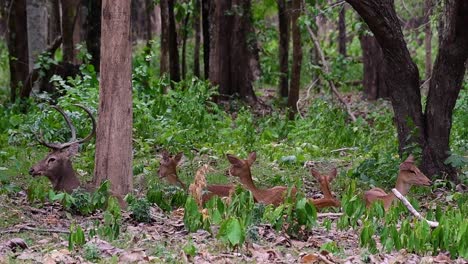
[408,175]
[276,195]
[57,166]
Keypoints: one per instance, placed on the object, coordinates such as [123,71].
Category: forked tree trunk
[69,15]
[114,130]
[164,52]
[17,42]
[93,31]
[174,68]
[430,131]
[206,7]
[196,29]
[297,59]
[283,23]
[373,80]
[342,31]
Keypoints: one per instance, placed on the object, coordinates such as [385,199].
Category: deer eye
[51,160]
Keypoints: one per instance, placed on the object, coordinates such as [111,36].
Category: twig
[342,149]
[327,71]
[412,210]
[40,230]
[329,214]
[307,97]
[324,259]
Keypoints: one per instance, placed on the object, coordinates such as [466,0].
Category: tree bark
[373,80]
[69,15]
[429,132]
[17,42]
[164,52]
[231,52]
[428,38]
[149,8]
[342,31]
[174,68]
[196,29]
[36,11]
[184,45]
[114,130]
[206,7]
[53,9]
[283,23]
[446,82]
[297,59]
[93,31]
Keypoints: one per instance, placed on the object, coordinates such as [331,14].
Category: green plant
[140,209]
[91,252]
[110,229]
[76,237]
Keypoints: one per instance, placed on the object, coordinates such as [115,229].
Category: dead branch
[39,230]
[307,97]
[326,69]
[329,214]
[412,210]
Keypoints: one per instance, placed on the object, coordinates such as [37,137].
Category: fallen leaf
[309,258]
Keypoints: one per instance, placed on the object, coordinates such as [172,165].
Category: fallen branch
[40,230]
[329,214]
[412,210]
[326,69]
[343,149]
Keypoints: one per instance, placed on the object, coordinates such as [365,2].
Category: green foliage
[110,229]
[166,197]
[76,237]
[91,252]
[140,209]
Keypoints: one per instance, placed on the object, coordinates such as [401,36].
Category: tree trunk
[373,80]
[196,29]
[206,7]
[93,31]
[342,31]
[297,59]
[430,132]
[53,9]
[446,82]
[428,38]
[36,11]
[283,23]
[164,52]
[17,42]
[231,52]
[69,15]
[174,69]
[149,8]
[114,130]
[184,44]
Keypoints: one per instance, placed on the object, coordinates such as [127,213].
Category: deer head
[241,168]
[324,181]
[409,175]
[168,168]
[57,165]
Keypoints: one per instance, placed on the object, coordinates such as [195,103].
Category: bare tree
[283,24]
[70,9]
[342,31]
[196,27]
[93,31]
[114,131]
[297,59]
[206,7]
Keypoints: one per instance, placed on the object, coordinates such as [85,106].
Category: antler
[57,146]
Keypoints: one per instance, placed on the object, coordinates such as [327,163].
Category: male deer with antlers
[276,195]
[57,166]
[408,175]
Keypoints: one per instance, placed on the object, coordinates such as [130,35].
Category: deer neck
[401,186]
[66,180]
[248,183]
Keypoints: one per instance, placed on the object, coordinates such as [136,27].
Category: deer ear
[165,155]
[234,160]
[332,174]
[178,157]
[410,158]
[252,157]
[406,166]
[72,150]
[315,173]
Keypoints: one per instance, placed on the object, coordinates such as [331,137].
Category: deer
[168,170]
[241,168]
[408,175]
[57,165]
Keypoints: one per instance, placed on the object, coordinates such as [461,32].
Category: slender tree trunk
[196,29]
[184,45]
[446,82]
[149,33]
[53,9]
[114,130]
[36,11]
[93,31]
[174,68]
[428,38]
[283,22]
[17,42]
[69,15]
[206,7]
[342,31]
[164,52]
[297,59]
[373,80]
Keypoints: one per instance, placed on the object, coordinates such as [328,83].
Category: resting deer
[168,170]
[276,195]
[408,175]
[57,165]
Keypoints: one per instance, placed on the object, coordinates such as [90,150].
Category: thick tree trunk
[114,130]
[297,59]
[196,29]
[149,8]
[53,9]
[138,20]
[69,15]
[428,38]
[184,45]
[174,69]
[231,52]
[164,52]
[93,31]
[206,7]
[446,82]
[342,31]
[283,23]
[430,131]
[36,11]
[17,42]
[373,80]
